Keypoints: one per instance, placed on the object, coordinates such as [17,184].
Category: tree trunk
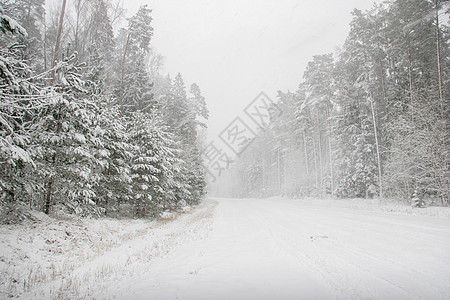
[48,196]
[410,75]
[58,41]
[330,150]
[77,26]
[45,43]
[439,65]
[441,96]
[374,122]
[377,145]
[305,153]
[49,191]
[315,163]
[385,98]
[320,155]
[279,170]
[123,73]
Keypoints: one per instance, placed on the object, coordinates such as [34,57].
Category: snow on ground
[379,205]
[66,258]
[272,248]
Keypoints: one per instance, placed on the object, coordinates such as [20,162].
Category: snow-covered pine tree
[138,93]
[181,116]
[20,102]
[303,129]
[359,159]
[417,199]
[69,142]
[356,144]
[198,105]
[30,14]
[319,92]
[154,167]
[100,48]
[134,91]
[418,155]
[283,127]
[114,186]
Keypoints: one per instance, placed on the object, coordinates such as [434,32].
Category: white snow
[13,24]
[272,248]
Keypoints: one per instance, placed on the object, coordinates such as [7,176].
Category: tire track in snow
[341,276]
[388,264]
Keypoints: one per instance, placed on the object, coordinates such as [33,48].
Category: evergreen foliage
[372,120]
[67,142]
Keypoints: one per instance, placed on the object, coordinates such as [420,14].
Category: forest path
[286,249]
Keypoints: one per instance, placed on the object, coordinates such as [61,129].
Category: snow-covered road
[288,249]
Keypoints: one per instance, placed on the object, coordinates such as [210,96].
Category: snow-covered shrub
[417,200]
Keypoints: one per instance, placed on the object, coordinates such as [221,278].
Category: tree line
[87,123]
[369,120]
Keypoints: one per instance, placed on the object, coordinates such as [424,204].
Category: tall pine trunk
[330,152]
[49,191]
[410,74]
[58,41]
[445,189]
[315,163]
[123,73]
[377,145]
[305,153]
[438,57]
[319,138]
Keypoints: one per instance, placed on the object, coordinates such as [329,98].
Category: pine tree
[68,142]
[319,90]
[30,14]
[115,183]
[134,86]
[154,169]
[19,103]
[417,200]
[100,47]
[180,115]
[198,105]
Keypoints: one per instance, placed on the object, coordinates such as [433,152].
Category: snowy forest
[106,186]
[370,120]
[87,123]
[90,126]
